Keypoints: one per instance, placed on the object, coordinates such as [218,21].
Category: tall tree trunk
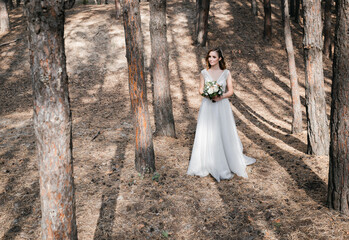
[267,20]
[144,156]
[117,8]
[338,181]
[52,117]
[296,103]
[327,29]
[4,19]
[164,120]
[254,8]
[318,132]
[201,28]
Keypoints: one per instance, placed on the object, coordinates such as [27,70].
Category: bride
[217,148]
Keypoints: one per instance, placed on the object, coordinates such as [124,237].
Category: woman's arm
[201,85]
[230,91]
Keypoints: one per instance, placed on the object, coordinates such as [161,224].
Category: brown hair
[220,55]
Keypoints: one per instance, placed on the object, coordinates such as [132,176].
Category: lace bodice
[222,80]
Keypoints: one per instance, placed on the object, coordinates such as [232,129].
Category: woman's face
[213,58]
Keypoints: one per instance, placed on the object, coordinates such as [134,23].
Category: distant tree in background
[201,24]
[295,9]
[296,103]
[52,117]
[338,180]
[144,151]
[292,7]
[69,4]
[9,4]
[254,7]
[164,120]
[117,8]
[327,31]
[267,33]
[318,131]
[4,19]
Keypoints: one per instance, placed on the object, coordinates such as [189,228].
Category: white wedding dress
[217,148]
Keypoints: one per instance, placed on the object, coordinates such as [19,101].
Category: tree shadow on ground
[98,110]
[265,125]
[187,110]
[104,228]
[19,199]
[306,179]
[23,207]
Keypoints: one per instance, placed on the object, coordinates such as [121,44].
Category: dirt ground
[285,194]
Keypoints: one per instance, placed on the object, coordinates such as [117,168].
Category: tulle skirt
[217,148]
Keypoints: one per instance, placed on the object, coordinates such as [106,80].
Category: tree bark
[144,152]
[52,117]
[164,120]
[318,132]
[201,28]
[267,33]
[4,19]
[296,103]
[254,8]
[338,181]
[327,29]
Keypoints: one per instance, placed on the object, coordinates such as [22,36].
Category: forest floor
[285,194]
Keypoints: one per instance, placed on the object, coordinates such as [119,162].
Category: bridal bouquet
[212,89]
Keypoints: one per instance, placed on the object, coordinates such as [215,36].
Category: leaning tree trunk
[201,27]
[338,181]
[144,156]
[267,34]
[4,19]
[327,29]
[164,120]
[52,117]
[318,133]
[296,103]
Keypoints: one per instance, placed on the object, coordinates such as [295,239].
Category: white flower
[210,91]
[215,88]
